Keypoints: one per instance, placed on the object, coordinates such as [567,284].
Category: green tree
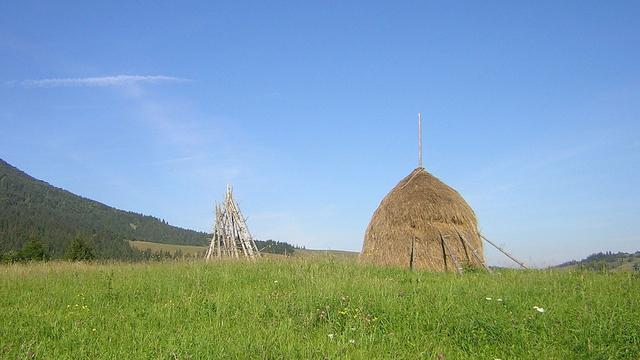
[33,250]
[11,256]
[79,250]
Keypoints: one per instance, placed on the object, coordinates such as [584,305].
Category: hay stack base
[423,224]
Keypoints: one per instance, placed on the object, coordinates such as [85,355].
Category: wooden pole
[504,252]
[473,251]
[231,236]
[413,246]
[444,253]
[451,255]
[419,140]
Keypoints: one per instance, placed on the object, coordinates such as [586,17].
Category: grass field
[312,308]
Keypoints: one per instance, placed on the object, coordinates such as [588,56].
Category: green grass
[312,309]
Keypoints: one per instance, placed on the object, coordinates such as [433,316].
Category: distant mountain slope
[31,207]
[606,261]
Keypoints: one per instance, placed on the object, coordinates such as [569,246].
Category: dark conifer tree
[79,250]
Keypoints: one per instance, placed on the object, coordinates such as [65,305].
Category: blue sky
[309,109]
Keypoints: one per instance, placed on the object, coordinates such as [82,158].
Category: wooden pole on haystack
[420,140]
[473,252]
[451,255]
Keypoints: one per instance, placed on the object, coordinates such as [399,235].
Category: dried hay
[408,228]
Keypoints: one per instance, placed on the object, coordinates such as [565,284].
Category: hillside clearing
[191,250]
[200,250]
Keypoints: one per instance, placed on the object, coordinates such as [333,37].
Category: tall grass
[290,309]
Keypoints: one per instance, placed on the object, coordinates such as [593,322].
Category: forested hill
[606,261]
[33,208]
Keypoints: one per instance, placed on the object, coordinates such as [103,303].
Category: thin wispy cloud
[176,160]
[100,81]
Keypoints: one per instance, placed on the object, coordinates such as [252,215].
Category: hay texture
[408,228]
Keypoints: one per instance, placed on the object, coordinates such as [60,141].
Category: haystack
[423,224]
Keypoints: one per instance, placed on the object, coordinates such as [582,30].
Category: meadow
[312,309]
[191,250]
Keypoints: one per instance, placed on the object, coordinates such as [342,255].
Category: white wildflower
[352,341]
[499,300]
[539,309]
[331,336]
[275,281]
[489,299]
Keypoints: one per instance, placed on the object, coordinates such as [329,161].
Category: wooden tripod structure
[231,236]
